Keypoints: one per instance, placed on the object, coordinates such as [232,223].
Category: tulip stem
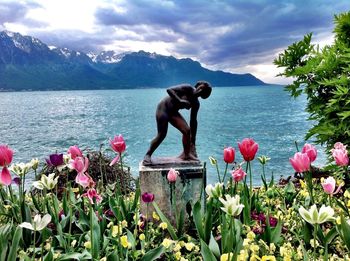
[218,172]
[34,245]
[223,180]
[315,235]
[91,231]
[122,176]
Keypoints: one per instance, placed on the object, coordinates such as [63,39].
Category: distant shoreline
[130,88]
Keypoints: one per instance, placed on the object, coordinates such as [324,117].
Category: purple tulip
[16,180]
[147,197]
[55,160]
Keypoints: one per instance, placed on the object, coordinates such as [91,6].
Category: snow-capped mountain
[28,63]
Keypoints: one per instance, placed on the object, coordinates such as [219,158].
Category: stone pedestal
[188,186]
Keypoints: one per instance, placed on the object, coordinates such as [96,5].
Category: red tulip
[118,144]
[6,155]
[300,162]
[311,151]
[238,175]
[80,164]
[172,175]
[5,177]
[248,149]
[147,197]
[229,155]
[74,152]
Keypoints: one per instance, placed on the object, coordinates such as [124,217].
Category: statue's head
[203,89]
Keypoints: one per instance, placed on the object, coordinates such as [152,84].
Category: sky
[238,36]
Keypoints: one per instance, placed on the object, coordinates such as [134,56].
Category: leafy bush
[324,76]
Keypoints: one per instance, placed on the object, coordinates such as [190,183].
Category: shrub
[324,76]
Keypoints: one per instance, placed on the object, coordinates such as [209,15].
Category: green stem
[42,251]
[91,231]
[315,245]
[218,172]
[223,180]
[232,190]
[250,178]
[122,169]
[70,225]
[34,245]
[146,230]
[231,238]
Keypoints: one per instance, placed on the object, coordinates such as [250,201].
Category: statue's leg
[162,127]
[180,123]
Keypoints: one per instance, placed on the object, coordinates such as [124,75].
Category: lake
[36,124]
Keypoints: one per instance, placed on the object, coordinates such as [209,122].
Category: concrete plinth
[188,186]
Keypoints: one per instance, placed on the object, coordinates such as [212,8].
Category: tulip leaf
[14,246]
[208,220]
[153,254]
[345,232]
[214,246]
[331,235]
[206,252]
[276,233]
[197,217]
[131,239]
[96,234]
[170,228]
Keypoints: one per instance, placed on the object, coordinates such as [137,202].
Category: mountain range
[26,63]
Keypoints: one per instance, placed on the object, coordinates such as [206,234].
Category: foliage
[323,75]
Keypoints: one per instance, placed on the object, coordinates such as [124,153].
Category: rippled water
[36,124]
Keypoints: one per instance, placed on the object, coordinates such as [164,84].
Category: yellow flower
[347,194]
[110,224]
[56,255]
[272,247]
[155,216]
[224,257]
[177,248]
[302,184]
[87,244]
[178,255]
[246,242]
[75,190]
[338,220]
[124,241]
[287,258]
[103,259]
[348,204]
[254,248]
[163,225]
[251,235]
[167,242]
[182,243]
[268,258]
[243,255]
[142,237]
[189,246]
[254,258]
[116,231]
[47,246]
[183,259]
[124,223]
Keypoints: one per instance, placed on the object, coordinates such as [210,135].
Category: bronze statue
[180,97]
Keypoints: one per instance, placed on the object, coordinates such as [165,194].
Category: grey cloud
[15,11]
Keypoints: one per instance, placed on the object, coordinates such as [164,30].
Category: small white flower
[21,169]
[232,205]
[38,223]
[34,163]
[48,182]
[214,191]
[313,216]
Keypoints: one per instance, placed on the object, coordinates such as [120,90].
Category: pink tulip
[229,155]
[311,151]
[93,196]
[80,164]
[341,157]
[6,155]
[118,144]
[5,177]
[238,175]
[74,152]
[340,146]
[82,179]
[329,186]
[172,175]
[300,162]
[248,149]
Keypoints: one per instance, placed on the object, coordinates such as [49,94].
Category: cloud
[231,35]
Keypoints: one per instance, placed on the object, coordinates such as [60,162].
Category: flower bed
[89,220]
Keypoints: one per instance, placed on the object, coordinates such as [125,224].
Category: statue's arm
[173,92]
[193,122]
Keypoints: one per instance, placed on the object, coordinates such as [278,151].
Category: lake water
[36,124]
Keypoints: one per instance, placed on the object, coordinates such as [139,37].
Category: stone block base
[188,186]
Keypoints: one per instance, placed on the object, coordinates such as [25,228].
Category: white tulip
[48,182]
[38,223]
[232,205]
[214,191]
[313,216]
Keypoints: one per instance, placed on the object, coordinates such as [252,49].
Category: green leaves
[322,74]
